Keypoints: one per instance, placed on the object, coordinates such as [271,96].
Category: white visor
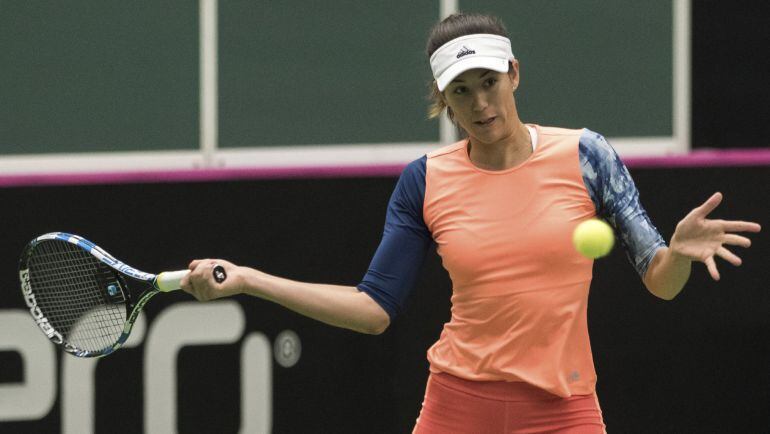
[469,52]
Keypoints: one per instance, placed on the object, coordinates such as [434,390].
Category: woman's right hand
[202,285]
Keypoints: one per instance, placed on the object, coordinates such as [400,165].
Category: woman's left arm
[663,269]
[696,238]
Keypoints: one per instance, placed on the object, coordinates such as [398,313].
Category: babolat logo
[40,319]
[465,51]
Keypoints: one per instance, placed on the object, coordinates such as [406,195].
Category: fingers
[729,256]
[191,284]
[198,290]
[711,265]
[184,284]
[195,263]
[200,282]
[725,254]
[739,226]
[736,240]
[709,205]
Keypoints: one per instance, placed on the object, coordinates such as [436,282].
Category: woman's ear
[513,73]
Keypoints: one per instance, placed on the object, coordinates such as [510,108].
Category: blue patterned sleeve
[617,200]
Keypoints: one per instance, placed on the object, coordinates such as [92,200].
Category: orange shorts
[455,405]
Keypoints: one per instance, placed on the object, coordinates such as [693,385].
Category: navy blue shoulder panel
[405,241]
[617,200]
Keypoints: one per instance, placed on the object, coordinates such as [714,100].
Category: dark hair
[452,27]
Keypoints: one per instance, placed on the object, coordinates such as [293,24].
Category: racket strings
[69,286]
[69,295]
[77,306]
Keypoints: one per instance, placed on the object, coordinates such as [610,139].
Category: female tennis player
[501,206]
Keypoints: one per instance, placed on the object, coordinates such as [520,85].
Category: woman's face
[483,104]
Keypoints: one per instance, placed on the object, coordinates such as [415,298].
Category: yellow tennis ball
[593,238]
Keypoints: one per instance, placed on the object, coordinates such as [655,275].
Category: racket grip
[169,280]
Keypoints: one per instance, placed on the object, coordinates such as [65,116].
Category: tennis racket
[84,299]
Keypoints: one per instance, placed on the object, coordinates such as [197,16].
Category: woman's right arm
[367,308]
[336,305]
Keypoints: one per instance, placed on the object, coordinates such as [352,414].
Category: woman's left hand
[700,239]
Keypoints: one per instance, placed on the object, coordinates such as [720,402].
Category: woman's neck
[503,154]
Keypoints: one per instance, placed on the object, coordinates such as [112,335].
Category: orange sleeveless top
[520,290]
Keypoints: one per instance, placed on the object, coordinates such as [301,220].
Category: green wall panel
[104,75]
[298,72]
[605,65]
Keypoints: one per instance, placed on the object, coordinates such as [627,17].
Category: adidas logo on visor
[465,51]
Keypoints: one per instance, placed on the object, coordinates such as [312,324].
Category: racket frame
[133,307]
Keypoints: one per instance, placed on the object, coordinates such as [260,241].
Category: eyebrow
[457,80]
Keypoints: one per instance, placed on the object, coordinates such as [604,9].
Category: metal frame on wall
[210,156]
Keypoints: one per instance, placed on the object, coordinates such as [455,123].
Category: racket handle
[169,280]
